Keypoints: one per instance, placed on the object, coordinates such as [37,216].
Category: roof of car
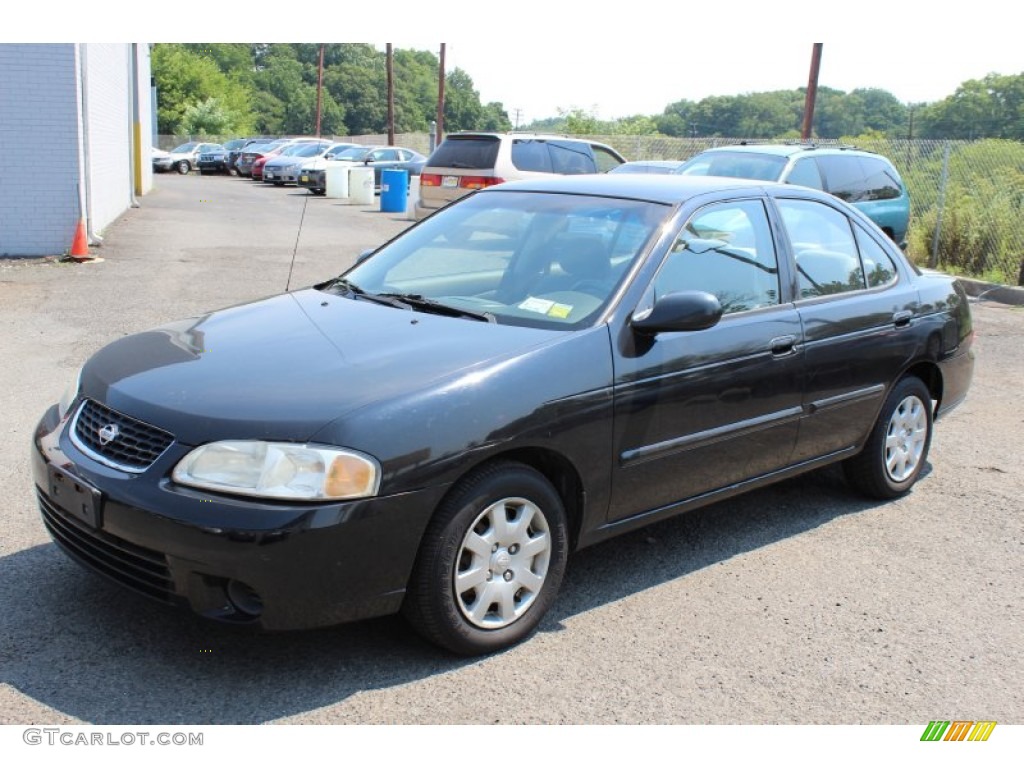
[658,188]
[783,150]
[521,135]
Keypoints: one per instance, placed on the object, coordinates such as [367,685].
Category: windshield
[307,150]
[543,260]
[185,147]
[354,153]
[737,165]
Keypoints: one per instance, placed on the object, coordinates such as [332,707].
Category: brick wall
[39,126]
[47,150]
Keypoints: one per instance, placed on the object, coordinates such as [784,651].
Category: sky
[618,59]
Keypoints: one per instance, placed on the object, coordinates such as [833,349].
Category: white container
[360,185]
[414,195]
[337,180]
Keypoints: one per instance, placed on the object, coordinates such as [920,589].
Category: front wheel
[491,561]
[183,166]
[897,448]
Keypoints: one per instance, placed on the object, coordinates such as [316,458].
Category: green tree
[462,108]
[992,107]
[187,79]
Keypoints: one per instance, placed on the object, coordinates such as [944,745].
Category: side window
[827,260]
[570,158]
[805,173]
[727,250]
[844,177]
[881,180]
[878,266]
[605,159]
[382,155]
[529,155]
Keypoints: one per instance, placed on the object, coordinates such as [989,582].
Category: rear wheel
[897,448]
[183,166]
[491,561]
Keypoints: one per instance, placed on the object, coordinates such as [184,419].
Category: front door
[702,410]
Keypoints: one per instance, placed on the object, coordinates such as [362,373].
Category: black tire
[896,451]
[454,543]
[183,167]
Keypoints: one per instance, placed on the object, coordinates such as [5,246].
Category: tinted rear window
[857,179]
[530,155]
[475,152]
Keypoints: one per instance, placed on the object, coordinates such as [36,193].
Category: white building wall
[107,132]
[39,144]
[66,131]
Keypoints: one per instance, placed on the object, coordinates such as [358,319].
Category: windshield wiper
[344,286]
[421,302]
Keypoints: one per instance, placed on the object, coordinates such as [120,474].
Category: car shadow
[665,551]
[96,652]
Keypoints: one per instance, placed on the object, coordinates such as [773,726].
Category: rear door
[856,311]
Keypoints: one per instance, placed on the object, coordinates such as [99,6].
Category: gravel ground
[797,604]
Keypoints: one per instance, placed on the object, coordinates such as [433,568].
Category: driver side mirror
[683,311]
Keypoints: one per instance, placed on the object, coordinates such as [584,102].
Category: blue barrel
[394,190]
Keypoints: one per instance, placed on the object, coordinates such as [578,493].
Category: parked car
[283,168]
[378,158]
[213,160]
[534,369]
[256,172]
[252,152]
[865,179]
[647,166]
[161,160]
[185,156]
[311,173]
[467,161]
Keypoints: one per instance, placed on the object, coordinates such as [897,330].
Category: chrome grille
[136,444]
[140,569]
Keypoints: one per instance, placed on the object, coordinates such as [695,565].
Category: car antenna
[319,94]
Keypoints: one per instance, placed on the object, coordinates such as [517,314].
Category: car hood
[284,367]
[282,162]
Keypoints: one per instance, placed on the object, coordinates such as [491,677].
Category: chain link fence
[967,197]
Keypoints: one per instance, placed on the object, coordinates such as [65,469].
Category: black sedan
[536,368]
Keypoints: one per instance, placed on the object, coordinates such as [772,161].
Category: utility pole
[518,112]
[812,92]
[319,88]
[440,99]
[391,96]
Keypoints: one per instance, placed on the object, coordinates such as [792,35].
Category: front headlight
[70,393]
[280,470]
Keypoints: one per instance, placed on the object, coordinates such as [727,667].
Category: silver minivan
[473,160]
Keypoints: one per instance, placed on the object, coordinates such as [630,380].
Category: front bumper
[277,565]
[315,180]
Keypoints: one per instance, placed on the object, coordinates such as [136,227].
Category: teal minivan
[865,179]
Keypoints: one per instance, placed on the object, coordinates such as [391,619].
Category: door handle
[901,319]
[783,345]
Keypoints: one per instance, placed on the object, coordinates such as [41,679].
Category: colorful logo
[958,730]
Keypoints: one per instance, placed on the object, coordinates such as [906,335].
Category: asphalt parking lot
[801,603]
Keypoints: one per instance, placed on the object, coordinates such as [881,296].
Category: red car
[261,160]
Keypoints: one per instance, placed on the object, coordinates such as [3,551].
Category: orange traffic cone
[80,245]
